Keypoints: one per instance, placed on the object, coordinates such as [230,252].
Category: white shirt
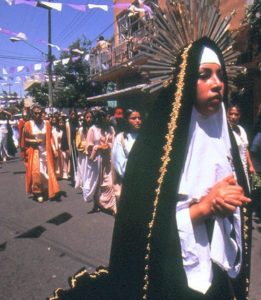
[242,143]
[120,151]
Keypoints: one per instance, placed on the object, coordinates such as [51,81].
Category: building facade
[120,62]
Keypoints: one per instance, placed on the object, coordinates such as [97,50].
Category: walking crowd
[92,150]
[183,194]
[89,149]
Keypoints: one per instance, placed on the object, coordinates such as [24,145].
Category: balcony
[118,61]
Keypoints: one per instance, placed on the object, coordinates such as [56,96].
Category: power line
[76,23]
[28,58]
[71,26]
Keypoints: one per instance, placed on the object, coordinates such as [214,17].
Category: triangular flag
[56,62]
[65,61]
[54,46]
[37,67]
[103,7]
[32,3]
[20,68]
[56,6]
[78,7]
[78,51]
[10,2]
[75,58]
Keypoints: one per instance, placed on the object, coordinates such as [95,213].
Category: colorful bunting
[75,58]
[77,51]
[37,67]
[20,69]
[103,7]
[31,3]
[56,62]
[56,6]
[9,2]
[81,8]
[65,61]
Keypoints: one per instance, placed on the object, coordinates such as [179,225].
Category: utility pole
[50,59]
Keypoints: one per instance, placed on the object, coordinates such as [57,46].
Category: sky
[67,26]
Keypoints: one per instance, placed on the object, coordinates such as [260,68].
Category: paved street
[41,245]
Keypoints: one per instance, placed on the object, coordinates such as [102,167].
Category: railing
[114,56]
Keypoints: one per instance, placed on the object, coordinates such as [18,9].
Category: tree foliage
[71,81]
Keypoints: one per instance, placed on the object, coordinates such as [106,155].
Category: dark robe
[166,276]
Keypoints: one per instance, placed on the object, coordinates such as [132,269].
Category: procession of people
[76,147]
[91,150]
[181,177]
[105,154]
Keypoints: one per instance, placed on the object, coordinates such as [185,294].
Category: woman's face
[37,115]
[88,118]
[73,115]
[210,89]
[61,124]
[53,121]
[233,116]
[135,121]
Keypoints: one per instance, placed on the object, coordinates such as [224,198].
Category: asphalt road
[41,245]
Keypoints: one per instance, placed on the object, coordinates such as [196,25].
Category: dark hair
[87,112]
[84,124]
[126,126]
[36,106]
[232,105]
[99,117]
[129,111]
[73,110]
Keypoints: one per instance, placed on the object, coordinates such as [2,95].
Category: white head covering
[209,144]
[209,57]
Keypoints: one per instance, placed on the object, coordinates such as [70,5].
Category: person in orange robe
[39,151]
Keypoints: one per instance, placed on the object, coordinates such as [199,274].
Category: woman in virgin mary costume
[183,229]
